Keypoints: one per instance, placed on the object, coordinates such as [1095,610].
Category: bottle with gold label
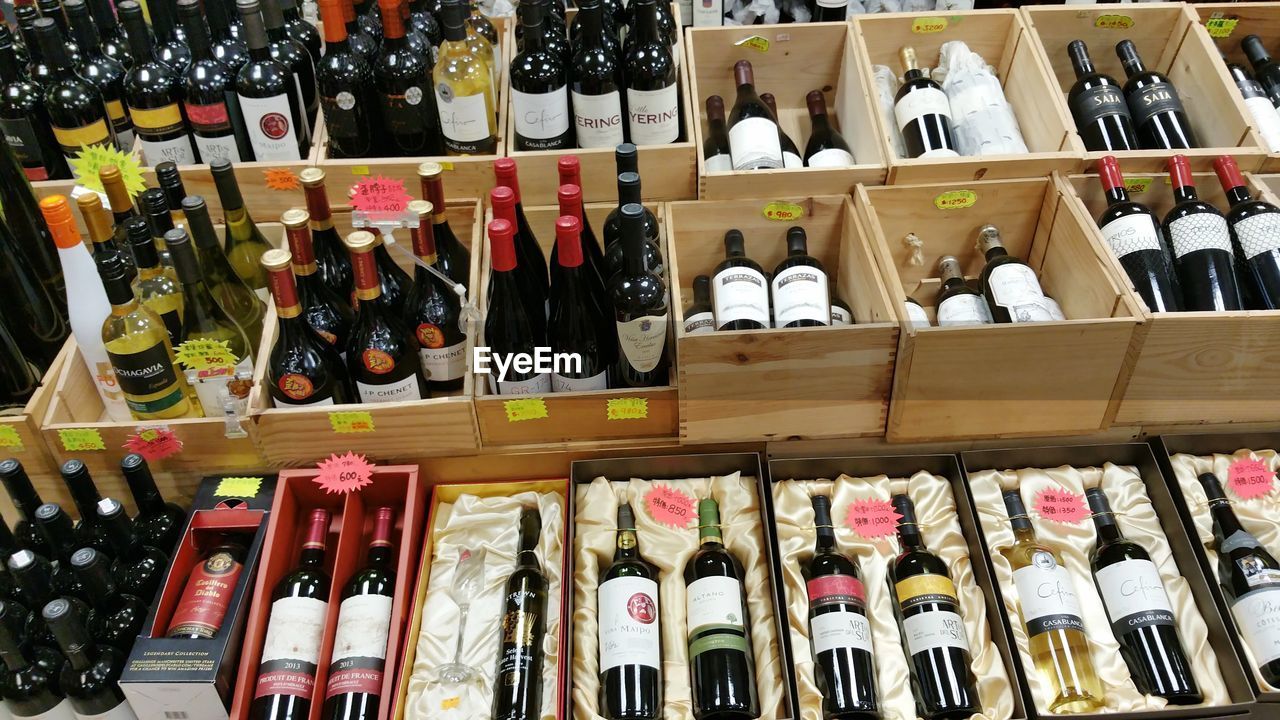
[121,202]
[303,369]
[382,354]
[328,315]
[154,93]
[99,68]
[76,108]
[518,685]
[331,255]
[156,286]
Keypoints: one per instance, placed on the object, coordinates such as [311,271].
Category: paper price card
[627,408]
[281,179]
[525,409]
[154,443]
[380,198]
[955,200]
[1113,22]
[10,439]
[344,473]
[93,158]
[783,211]
[1061,506]
[872,518]
[926,25]
[1221,27]
[670,506]
[1137,185]
[201,354]
[1250,479]
[81,440]
[244,487]
[755,42]
[352,421]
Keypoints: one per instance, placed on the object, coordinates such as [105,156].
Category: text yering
[599,123]
[643,116]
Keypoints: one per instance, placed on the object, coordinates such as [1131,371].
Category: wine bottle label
[73,139]
[1250,569]
[560,383]
[1152,100]
[172,322]
[1097,103]
[440,363]
[148,379]
[206,597]
[1267,119]
[360,645]
[697,323]
[836,589]
[340,116]
[211,124]
[800,293]
[840,316]
[1257,614]
[654,115]
[791,160]
[21,136]
[920,102]
[1132,233]
[1046,596]
[1199,231]
[542,119]
[1134,596]
[536,385]
[151,124]
[740,293]
[123,711]
[925,589]
[936,629]
[396,391]
[598,119]
[964,309]
[404,112]
[212,389]
[627,608]
[713,603]
[292,647]
[1014,287]
[277,402]
[720,163]
[1258,234]
[643,341]
[939,153]
[754,145]
[271,130]
[838,630]
[831,158]
[299,390]
[464,121]
[61,711]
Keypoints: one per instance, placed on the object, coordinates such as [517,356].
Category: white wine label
[643,341]
[292,647]
[360,645]
[445,363]
[934,629]
[1052,307]
[1267,120]
[753,144]
[720,163]
[627,608]
[917,103]
[177,150]
[1257,614]
[1014,286]
[1046,596]
[598,119]
[61,711]
[840,629]
[123,711]
[1258,234]
[270,126]
[916,315]
[740,293]
[706,13]
[463,118]
[1134,596]
[791,160]
[964,309]
[1132,233]
[1201,231]
[213,149]
[833,3]
[800,293]
[697,323]
[840,316]
[654,115]
[560,383]
[406,389]
[537,385]
[713,602]
[541,116]
[831,158]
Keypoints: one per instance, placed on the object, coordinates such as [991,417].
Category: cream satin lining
[492,523]
[669,549]
[1139,523]
[936,511]
[1260,516]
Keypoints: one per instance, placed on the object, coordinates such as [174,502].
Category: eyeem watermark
[541,361]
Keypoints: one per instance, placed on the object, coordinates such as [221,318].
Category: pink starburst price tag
[380,198]
[1061,506]
[1250,479]
[872,518]
[344,473]
[670,506]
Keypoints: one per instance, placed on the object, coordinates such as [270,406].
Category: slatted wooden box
[1227,24]
[1169,40]
[20,436]
[1002,38]
[1010,380]
[789,61]
[796,382]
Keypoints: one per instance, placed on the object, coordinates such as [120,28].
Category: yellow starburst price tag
[755,42]
[238,487]
[199,354]
[525,409]
[628,408]
[10,439]
[93,158]
[1221,27]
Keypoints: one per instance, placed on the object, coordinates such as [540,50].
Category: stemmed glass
[468,578]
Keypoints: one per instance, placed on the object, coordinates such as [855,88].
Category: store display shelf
[1227,24]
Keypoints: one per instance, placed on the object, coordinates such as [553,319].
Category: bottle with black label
[957,303]
[1255,232]
[923,112]
[1266,117]
[1201,242]
[518,678]
[739,288]
[700,316]
[1098,106]
[800,294]
[1158,115]
[1010,286]
[1266,69]
[1133,233]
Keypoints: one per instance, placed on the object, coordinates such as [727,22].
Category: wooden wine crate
[20,436]
[1002,39]
[1169,40]
[561,418]
[789,61]
[1227,24]
[1186,367]
[1000,380]
[816,382]
[440,425]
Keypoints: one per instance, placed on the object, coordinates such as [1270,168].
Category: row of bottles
[1146,113]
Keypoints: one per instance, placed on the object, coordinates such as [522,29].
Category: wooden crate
[443,425]
[1002,39]
[1169,41]
[1187,367]
[797,382]
[1006,380]
[20,436]
[1227,24]
[573,416]
[795,59]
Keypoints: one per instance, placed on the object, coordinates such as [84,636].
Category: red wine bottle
[91,676]
[700,316]
[579,322]
[158,523]
[273,108]
[345,83]
[739,288]
[530,276]
[304,367]
[293,55]
[826,146]
[922,111]
[332,259]
[206,597]
[138,569]
[229,46]
[1098,105]
[25,498]
[209,97]
[1201,242]
[302,31]
[25,120]
[1157,109]
[799,286]
[76,108]
[154,94]
[754,141]
[170,43]
[652,77]
[55,524]
[328,314]
[407,100]
[115,618]
[295,627]
[716,150]
[569,169]
[539,88]
[1010,286]
[527,248]
[432,310]
[453,256]
[84,493]
[626,158]
[111,34]
[1255,234]
[639,298]
[570,197]
[1132,232]
[382,355]
[630,628]
[956,303]
[596,79]
[518,679]
[30,687]
[509,325]
[1265,69]
[102,70]
[790,153]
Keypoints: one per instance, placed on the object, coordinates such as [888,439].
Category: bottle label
[627,608]
[921,102]
[360,645]
[542,119]
[1134,596]
[299,390]
[698,323]
[713,603]
[1267,119]
[560,383]
[464,120]
[643,341]
[740,293]
[831,158]
[1259,234]
[598,119]
[440,363]
[73,139]
[840,316]
[277,402]
[754,144]
[536,385]
[1096,103]
[404,112]
[800,293]
[1255,614]
[936,629]
[720,163]
[270,126]
[706,13]
[1046,596]
[1200,231]
[21,136]
[406,389]
[518,639]
[212,390]
[151,123]
[1154,99]
[836,589]
[148,379]
[292,647]
[654,115]
[1132,233]
[916,316]
[341,118]
[212,127]
[926,589]
[206,597]
[964,309]
[177,150]
[61,711]
[790,160]
[123,711]
[838,630]
[1014,287]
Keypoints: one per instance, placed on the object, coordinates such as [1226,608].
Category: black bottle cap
[1253,49]
[627,159]
[49,39]
[114,281]
[1100,507]
[530,528]
[94,570]
[1128,54]
[156,207]
[734,243]
[109,508]
[10,645]
[185,264]
[904,507]
[18,485]
[20,561]
[797,241]
[629,187]
[54,524]
[73,469]
[167,175]
[702,288]
[453,18]
[224,179]
[135,26]
[1212,487]
[85,558]
[626,517]
[1018,517]
[530,14]
[138,232]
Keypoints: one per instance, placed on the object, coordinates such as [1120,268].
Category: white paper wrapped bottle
[982,120]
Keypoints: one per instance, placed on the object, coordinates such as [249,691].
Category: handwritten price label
[154,443]
[1250,479]
[10,439]
[344,473]
[379,197]
[351,421]
[1137,185]
[872,518]
[210,357]
[955,200]
[755,42]
[1221,27]
[926,25]
[1061,506]
[81,440]
[93,158]
[783,211]
[627,408]
[670,506]
[242,487]
[1113,22]
[525,409]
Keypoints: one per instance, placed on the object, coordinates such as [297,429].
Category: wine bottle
[171,186]
[154,94]
[626,158]
[1266,118]
[518,677]
[37,68]
[115,618]
[303,368]
[407,102]
[1255,233]
[957,303]
[369,17]
[244,242]
[158,523]
[155,286]
[84,493]
[1158,116]
[1133,233]
[229,47]
[916,317]
[596,81]
[38,322]
[579,323]
[839,632]
[790,153]
[19,378]
[138,569]
[1201,243]
[269,96]
[716,150]
[510,208]
[510,327]
[1010,286]
[52,9]
[1140,611]
[933,633]
[1098,105]
[464,88]
[539,89]
[1052,615]
[826,147]
[1250,580]
[155,208]
[170,41]
[328,315]
[332,259]
[293,55]
[77,111]
[923,112]
[721,664]
[102,235]
[422,19]
[382,354]
[206,597]
[301,31]
[754,142]
[344,80]
[630,630]
[299,606]
[799,286]
[1265,68]
[28,688]
[233,296]
[25,499]
[481,25]
[121,202]
[25,120]
[639,299]
[570,199]
[91,676]
[33,576]
[482,41]
[395,281]
[652,75]
[530,269]
[104,71]
[111,34]
[58,530]
[433,310]
[8,546]
[454,258]
[362,42]
[739,289]
[700,316]
[209,98]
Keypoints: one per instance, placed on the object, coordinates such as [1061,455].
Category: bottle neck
[9,72]
[84,34]
[1238,194]
[1185,193]
[909,537]
[1117,195]
[1082,64]
[592,33]
[647,23]
[627,547]
[198,39]
[365,270]
[1224,517]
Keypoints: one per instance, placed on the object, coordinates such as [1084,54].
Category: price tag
[525,409]
[10,439]
[1221,27]
[783,211]
[1113,22]
[872,518]
[359,169]
[631,408]
[445,165]
[1250,479]
[670,507]
[154,443]
[955,200]
[1061,506]
[926,25]
[81,440]
[1137,185]
[206,355]
[451,703]
[755,42]
[379,198]
[281,179]
[344,473]
[93,158]
[238,487]
[351,421]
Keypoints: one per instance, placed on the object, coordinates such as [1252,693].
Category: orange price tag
[281,179]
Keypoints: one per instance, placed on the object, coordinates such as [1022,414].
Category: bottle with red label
[332,259]
[327,313]
[207,595]
[303,369]
[209,97]
[432,309]
[630,630]
[382,354]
